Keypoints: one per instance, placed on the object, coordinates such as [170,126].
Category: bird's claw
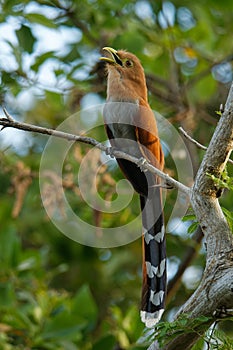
[223,312]
[141,164]
[164,185]
[168,185]
[109,151]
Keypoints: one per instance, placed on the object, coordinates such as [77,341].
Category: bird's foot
[165,185]
[223,312]
[141,164]
[109,151]
[168,185]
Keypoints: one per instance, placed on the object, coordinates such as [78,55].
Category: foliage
[166,331]
[229,216]
[35,316]
[224,181]
[191,217]
[56,293]
[217,339]
[214,338]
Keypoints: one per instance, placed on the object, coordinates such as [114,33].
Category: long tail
[154,259]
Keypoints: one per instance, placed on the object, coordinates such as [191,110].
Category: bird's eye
[128,63]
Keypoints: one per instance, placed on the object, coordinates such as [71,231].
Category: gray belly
[121,120]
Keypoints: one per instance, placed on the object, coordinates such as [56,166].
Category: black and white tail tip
[154,277]
[151,319]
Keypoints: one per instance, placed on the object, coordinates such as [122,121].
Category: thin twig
[11,123]
[198,144]
[9,117]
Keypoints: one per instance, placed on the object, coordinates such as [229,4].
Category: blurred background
[54,292]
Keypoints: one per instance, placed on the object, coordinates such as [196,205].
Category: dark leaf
[25,38]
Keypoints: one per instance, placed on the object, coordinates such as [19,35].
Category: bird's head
[126,78]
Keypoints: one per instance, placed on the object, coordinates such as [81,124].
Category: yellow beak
[114,57]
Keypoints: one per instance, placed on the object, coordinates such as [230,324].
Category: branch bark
[215,291]
[9,122]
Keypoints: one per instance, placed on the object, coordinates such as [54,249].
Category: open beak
[113,59]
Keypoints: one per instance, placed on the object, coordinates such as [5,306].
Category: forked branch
[215,290]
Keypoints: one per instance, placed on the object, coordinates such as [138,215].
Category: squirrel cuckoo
[131,127]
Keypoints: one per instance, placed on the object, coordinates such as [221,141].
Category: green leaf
[7,295]
[132,323]
[218,113]
[72,55]
[202,319]
[107,343]
[41,59]
[9,248]
[7,78]
[58,72]
[229,216]
[40,19]
[84,305]
[189,217]
[63,326]
[192,228]
[199,345]
[224,181]
[25,38]
[54,99]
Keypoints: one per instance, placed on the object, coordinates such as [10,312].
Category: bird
[131,127]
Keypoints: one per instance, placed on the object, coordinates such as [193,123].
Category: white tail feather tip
[150,319]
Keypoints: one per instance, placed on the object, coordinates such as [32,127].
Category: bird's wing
[147,136]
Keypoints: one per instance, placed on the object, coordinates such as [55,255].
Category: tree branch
[198,144]
[9,122]
[215,289]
